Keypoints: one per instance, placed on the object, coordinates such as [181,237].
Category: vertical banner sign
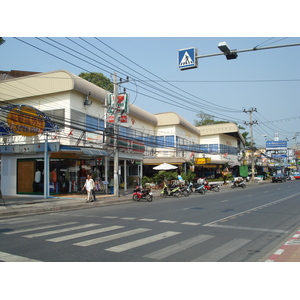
[122,107]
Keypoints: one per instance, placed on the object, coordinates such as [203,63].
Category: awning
[86,151]
[94,152]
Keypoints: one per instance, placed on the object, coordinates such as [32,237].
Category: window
[57,116]
[91,123]
[77,120]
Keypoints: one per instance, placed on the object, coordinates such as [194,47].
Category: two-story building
[64,133]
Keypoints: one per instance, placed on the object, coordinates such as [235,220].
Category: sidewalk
[16,206]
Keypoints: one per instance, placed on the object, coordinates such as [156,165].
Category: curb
[293,241]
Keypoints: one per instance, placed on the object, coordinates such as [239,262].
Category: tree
[98,79]
[206,119]
[2,41]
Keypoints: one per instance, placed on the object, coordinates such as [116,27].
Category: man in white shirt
[89,186]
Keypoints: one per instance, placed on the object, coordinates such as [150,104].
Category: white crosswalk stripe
[7,257]
[81,234]
[165,252]
[111,237]
[59,230]
[141,242]
[222,251]
[38,228]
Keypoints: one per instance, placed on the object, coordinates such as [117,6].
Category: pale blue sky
[267,80]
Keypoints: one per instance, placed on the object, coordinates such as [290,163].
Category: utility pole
[116,133]
[250,111]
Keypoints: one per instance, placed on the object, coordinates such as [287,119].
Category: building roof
[172,118]
[221,128]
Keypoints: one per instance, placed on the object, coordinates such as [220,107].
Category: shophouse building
[55,129]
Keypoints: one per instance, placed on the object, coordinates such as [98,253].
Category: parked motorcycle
[174,191]
[190,188]
[184,191]
[200,189]
[139,194]
[212,187]
[240,183]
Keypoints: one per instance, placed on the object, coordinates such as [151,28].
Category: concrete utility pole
[250,111]
[116,133]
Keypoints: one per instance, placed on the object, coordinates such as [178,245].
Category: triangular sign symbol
[186,60]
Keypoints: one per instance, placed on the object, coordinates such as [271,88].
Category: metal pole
[248,50]
[46,169]
[116,154]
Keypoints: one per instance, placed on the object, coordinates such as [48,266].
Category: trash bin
[112,190]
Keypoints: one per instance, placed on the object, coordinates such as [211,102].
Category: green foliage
[165,175]
[188,176]
[2,41]
[98,79]
[145,180]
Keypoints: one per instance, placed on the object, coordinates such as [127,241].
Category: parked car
[296,175]
[278,177]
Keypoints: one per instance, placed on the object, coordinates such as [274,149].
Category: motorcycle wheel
[163,195]
[178,194]
[149,198]
[186,193]
[243,186]
[135,198]
[233,186]
[216,189]
[202,191]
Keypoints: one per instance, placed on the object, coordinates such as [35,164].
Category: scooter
[139,194]
[235,184]
[184,191]
[200,189]
[190,188]
[212,187]
[175,191]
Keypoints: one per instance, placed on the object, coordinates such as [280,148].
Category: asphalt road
[237,225]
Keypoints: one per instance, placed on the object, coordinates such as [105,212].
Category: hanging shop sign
[122,108]
[202,161]
[18,119]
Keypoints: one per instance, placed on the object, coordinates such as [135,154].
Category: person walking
[89,186]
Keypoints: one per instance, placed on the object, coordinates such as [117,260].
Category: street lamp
[230,54]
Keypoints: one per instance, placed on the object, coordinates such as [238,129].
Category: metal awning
[85,151]
[94,152]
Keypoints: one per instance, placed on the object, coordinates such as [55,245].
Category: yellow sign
[25,121]
[202,161]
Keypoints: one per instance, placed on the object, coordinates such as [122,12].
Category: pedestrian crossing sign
[187,58]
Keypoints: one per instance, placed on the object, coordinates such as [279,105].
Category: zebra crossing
[127,239]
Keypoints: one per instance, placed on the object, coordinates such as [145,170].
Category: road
[240,225]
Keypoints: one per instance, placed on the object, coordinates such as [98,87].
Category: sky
[265,80]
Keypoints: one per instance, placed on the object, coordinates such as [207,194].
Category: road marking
[173,249]
[254,209]
[141,242]
[147,220]
[7,257]
[111,237]
[110,217]
[190,223]
[222,251]
[81,234]
[247,228]
[224,200]
[127,218]
[38,228]
[17,220]
[59,230]
[168,221]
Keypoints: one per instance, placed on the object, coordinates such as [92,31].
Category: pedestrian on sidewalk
[89,186]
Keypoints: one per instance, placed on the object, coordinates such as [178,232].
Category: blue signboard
[187,58]
[276,144]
